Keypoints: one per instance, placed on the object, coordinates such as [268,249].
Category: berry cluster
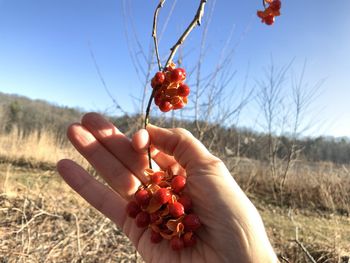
[271,11]
[170,91]
[161,206]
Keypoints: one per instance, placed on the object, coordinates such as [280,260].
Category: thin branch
[158,38]
[199,71]
[137,41]
[155,39]
[307,253]
[197,20]
[134,58]
[166,22]
[283,258]
[154,32]
[296,240]
[116,104]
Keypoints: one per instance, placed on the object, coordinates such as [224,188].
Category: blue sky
[45,54]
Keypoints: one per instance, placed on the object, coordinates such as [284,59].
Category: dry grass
[315,186]
[326,236]
[42,220]
[37,149]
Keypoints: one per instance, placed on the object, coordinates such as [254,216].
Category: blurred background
[271,101]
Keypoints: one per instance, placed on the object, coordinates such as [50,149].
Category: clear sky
[45,54]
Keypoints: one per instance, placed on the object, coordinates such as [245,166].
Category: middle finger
[117,143]
[110,168]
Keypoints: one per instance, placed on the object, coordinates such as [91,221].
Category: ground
[42,220]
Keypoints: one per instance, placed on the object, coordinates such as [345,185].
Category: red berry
[142,197]
[165,106]
[275,5]
[186,202]
[191,222]
[162,196]
[177,75]
[158,98]
[177,243]
[163,184]
[156,237]
[269,20]
[176,209]
[189,239]
[159,78]
[183,90]
[142,219]
[260,14]
[183,71]
[157,177]
[154,217]
[132,209]
[178,183]
[154,84]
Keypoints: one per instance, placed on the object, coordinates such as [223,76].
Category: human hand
[232,229]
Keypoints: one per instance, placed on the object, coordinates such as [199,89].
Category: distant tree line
[28,115]
[35,115]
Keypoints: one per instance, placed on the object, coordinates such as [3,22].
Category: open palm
[232,228]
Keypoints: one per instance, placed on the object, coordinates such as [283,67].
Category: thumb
[180,143]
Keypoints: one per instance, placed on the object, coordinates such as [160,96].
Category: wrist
[259,246]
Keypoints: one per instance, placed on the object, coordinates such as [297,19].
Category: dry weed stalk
[302,247]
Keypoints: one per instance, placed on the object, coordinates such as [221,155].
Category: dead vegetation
[316,186]
[52,225]
[42,220]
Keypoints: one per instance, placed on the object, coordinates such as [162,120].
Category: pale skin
[232,228]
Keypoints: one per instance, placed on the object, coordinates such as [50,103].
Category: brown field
[42,220]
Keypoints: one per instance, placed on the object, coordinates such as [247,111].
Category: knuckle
[183,132]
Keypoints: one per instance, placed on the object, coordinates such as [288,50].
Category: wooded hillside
[30,115]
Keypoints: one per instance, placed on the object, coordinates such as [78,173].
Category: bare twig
[28,222]
[154,32]
[283,258]
[116,104]
[154,36]
[307,253]
[134,58]
[296,240]
[197,20]
[198,73]
[146,123]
